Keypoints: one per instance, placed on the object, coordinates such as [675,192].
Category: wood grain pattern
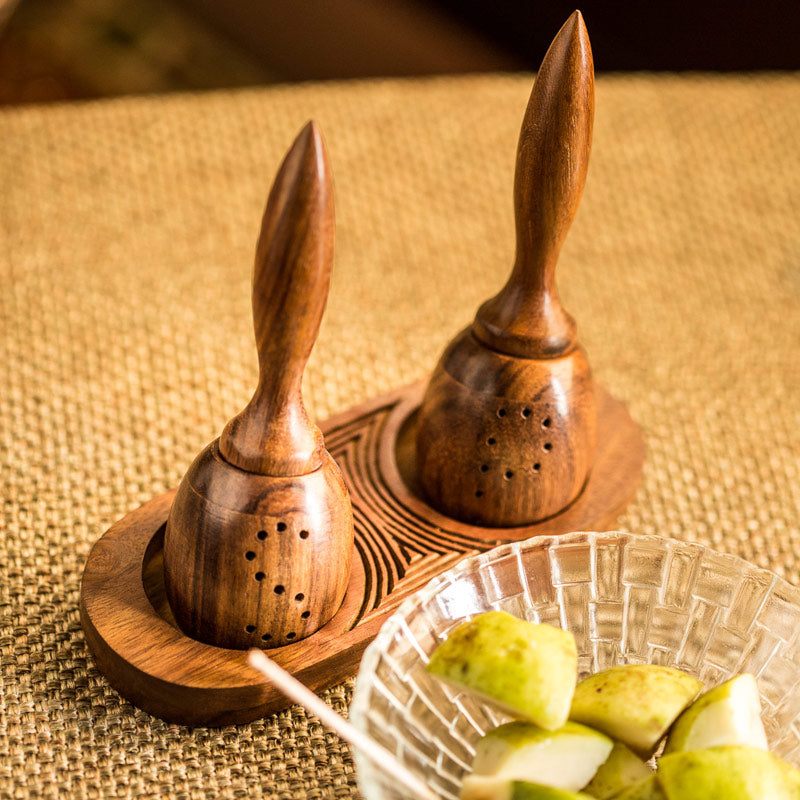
[507,428]
[400,544]
[258,546]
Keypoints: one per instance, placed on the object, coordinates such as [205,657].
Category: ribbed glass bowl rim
[360,703]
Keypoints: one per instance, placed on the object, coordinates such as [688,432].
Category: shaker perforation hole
[249,555]
[548,446]
[250,628]
[304,534]
[479,493]
[537,466]
[279,589]
[266,637]
[260,576]
[299,596]
[262,535]
[491,440]
[546,422]
[291,635]
[484,467]
[281,526]
[509,474]
[306,614]
[526,412]
[501,412]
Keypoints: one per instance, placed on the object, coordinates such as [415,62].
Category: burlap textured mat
[126,235]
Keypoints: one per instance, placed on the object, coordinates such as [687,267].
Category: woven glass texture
[627,598]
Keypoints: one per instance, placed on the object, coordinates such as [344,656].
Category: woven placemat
[126,236]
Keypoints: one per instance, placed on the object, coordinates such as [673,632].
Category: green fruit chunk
[621,770]
[527,669]
[634,703]
[521,751]
[524,790]
[647,789]
[730,773]
[482,788]
[725,715]
[792,776]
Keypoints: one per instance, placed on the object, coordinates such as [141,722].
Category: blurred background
[54,50]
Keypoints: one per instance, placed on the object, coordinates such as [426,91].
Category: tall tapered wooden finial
[506,430]
[273,434]
[526,318]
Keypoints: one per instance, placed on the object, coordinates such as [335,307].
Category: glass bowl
[627,598]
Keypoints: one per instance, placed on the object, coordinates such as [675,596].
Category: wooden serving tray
[400,544]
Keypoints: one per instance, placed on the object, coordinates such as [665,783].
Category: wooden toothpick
[376,753]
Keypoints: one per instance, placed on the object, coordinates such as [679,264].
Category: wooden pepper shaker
[259,540]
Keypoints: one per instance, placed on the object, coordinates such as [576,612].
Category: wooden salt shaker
[506,431]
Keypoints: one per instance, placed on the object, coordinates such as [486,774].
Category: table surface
[127,229]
